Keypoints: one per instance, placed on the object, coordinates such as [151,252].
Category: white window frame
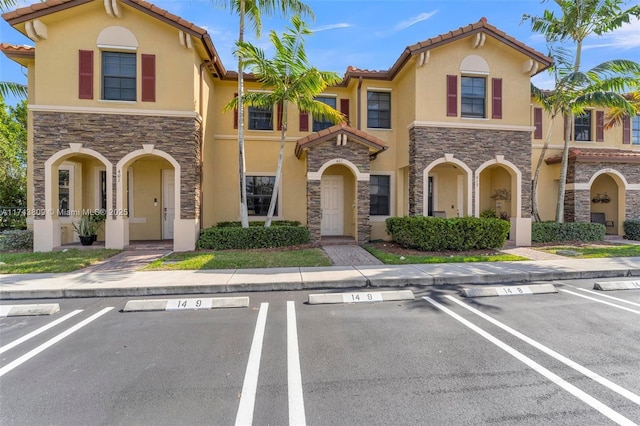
[72,189]
[380,90]
[280,215]
[392,196]
[97,197]
[592,130]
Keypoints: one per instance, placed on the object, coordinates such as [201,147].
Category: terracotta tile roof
[481,26]
[51,6]
[14,51]
[597,155]
[329,133]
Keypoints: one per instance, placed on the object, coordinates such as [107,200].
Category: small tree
[288,78]
[13,155]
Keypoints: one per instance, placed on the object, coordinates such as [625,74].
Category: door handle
[165,213]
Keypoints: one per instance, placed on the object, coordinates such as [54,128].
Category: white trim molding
[115,111]
[446,158]
[471,125]
[512,169]
[341,161]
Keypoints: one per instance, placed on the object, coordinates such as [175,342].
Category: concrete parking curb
[509,290]
[186,304]
[363,296]
[617,285]
[29,310]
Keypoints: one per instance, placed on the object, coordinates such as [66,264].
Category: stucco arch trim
[474,64]
[117,37]
[512,169]
[447,158]
[339,161]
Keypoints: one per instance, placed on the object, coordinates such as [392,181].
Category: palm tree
[286,78]
[579,19]
[616,116]
[253,10]
[8,87]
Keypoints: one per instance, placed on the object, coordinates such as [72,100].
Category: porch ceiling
[597,155]
[340,129]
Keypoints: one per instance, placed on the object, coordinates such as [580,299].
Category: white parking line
[38,331]
[581,395]
[24,358]
[296,400]
[601,301]
[605,295]
[566,361]
[250,385]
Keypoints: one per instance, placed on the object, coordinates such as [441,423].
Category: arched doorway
[607,201]
[447,188]
[338,202]
[496,192]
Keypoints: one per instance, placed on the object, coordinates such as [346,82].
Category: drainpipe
[359,102]
[200,111]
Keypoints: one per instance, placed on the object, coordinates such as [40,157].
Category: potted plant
[97,219]
[85,229]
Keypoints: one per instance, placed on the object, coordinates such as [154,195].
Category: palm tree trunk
[244,213]
[276,183]
[536,176]
[568,122]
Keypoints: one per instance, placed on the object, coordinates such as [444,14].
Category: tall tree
[253,9]
[578,20]
[9,87]
[287,78]
[13,155]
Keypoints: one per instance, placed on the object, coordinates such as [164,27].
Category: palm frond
[16,89]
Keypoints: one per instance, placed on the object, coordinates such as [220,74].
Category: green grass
[394,259]
[240,260]
[592,252]
[57,261]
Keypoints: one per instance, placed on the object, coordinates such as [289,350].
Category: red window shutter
[235,114]
[304,121]
[452,96]
[85,74]
[344,108]
[496,98]
[280,116]
[537,121]
[626,130]
[148,78]
[599,126]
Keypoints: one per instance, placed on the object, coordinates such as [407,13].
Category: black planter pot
[86,240]
[95,237]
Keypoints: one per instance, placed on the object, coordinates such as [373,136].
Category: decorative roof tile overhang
[49,7]
[21,54]
[375,144]
[596,155]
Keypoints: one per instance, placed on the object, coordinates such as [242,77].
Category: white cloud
[544,81]
[331,27]
[414,20]
[624,38]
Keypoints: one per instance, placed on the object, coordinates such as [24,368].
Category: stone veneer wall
[318,155]
[114,136]
[577,203]
[471,146]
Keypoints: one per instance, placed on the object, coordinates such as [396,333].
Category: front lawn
[236,259]
[392,254]
[56,261]
[590,251]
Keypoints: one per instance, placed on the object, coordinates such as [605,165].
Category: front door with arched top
[332,204]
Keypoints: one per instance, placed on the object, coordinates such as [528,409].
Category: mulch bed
[395,248]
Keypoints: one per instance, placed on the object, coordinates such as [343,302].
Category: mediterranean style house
[125,114]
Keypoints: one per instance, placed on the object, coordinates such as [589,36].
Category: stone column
[364,227]
[314,210]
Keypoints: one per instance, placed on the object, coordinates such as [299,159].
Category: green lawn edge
[627,250]
[52,262]
[394,259]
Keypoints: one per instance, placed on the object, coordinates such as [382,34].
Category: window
[321,124]
[380,195]
[103,190]
[118,76]
[65,190]
[635,130]
[379,110]
[582,125]
[260,119]
[473,97]
[259,190]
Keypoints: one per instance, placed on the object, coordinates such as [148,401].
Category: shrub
[233,237]
[438,234]
[488,214]
[237,224]
[547,232]
[632,229]
[16,239]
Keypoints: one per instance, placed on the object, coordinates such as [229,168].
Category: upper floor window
[379,110]
[260,119]
[319,123]
[380,195]
[635,130]
[119,76]
[473,99]
[259,192]
[582,126]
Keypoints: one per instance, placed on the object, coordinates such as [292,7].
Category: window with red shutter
[537,122]
[626,130]
[235,114]
[599,126]
[148,78]
[452,96]
[85,74]
[304,121]
[496,98]
[280,116]
[344,108]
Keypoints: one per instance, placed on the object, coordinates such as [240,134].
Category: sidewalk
[97,282]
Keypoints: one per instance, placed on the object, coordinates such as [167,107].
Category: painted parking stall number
[513,291]
[189,304]
[362,297]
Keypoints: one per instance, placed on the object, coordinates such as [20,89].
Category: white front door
[332,204]
[168,203]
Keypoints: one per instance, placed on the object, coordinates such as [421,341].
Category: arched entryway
[447,188]
[607,191]
[338,202]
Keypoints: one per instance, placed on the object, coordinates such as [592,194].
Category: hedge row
[237,224]
[441,234]
[230,237]
[16,239]
[547,232]
[632,229]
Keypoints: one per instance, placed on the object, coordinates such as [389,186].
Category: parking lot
[569,358]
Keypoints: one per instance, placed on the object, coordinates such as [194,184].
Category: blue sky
[371,34]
